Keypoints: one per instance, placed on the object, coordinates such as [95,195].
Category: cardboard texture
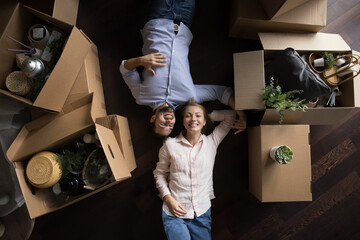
[249,77]
[84,112]
[113,132]
[52,97]
[275,8]
[64,10]
[247,18]
[270,181]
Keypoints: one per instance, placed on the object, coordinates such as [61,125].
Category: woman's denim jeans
[198,228]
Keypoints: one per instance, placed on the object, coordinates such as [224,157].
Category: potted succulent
[274,98]
[281,154]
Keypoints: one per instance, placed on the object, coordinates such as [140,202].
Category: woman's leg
[175,228]
[200,227]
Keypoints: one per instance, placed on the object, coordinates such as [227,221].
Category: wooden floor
[132,210]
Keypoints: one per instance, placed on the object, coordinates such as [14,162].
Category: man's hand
[240,124]
[153,59]
[174,206]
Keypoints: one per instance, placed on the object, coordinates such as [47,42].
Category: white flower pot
[319,62]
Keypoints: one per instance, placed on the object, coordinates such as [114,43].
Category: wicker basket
[18,83]
[43,170]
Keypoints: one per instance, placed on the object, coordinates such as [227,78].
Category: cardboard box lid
[310,12]
[249,75]
[303,41]
[247,18]
[64,10]
[65,72]
[59,128]
[115,138]
[315,116]
[278,7]
[275,182]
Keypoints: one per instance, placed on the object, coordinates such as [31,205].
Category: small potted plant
[281,154]
[72,162]
[320,62]
[274,98]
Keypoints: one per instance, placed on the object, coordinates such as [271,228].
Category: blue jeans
[198,228]
[181,10]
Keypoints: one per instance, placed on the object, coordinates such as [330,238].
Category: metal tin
[33,67]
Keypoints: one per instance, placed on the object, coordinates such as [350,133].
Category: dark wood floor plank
[317,208]
[332,159]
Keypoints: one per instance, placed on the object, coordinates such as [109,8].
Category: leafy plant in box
[72,162]
[274,98]
[329,60]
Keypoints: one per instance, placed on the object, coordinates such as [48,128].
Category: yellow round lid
[43,170]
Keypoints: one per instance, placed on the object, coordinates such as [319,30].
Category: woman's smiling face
[194,119]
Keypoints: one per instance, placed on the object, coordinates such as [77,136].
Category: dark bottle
[72,185]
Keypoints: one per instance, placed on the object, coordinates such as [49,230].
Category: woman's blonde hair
[207,118]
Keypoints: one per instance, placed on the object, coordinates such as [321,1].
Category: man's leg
[184,11]
[181,10]
[175,228]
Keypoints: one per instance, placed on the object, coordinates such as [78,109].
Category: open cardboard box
[71,124]
[84,112]
[275,8]
[56,89]
[249,77]
[248,17]
[270,181]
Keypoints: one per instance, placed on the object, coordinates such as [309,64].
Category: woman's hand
[153,59]
[174,206]
[240,124]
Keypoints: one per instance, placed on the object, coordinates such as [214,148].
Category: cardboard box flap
[113,153]
[313,116]
[356,85]
[279,7]
[65,72]
[66,10]
[247,75]
[50,19]
[120,127]
[32,139]
[303,41]
[308,13]
[6,10]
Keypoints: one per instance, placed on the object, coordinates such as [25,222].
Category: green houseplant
[281,154]
[274,98]
[329,60]
[72,162]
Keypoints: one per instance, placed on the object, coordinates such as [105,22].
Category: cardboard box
[249,77]
[275,8]
[84,112]
[57,88]
[270,181]
[247,18]
[71,124]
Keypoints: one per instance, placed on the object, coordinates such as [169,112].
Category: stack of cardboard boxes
[70,104]
[268,180]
